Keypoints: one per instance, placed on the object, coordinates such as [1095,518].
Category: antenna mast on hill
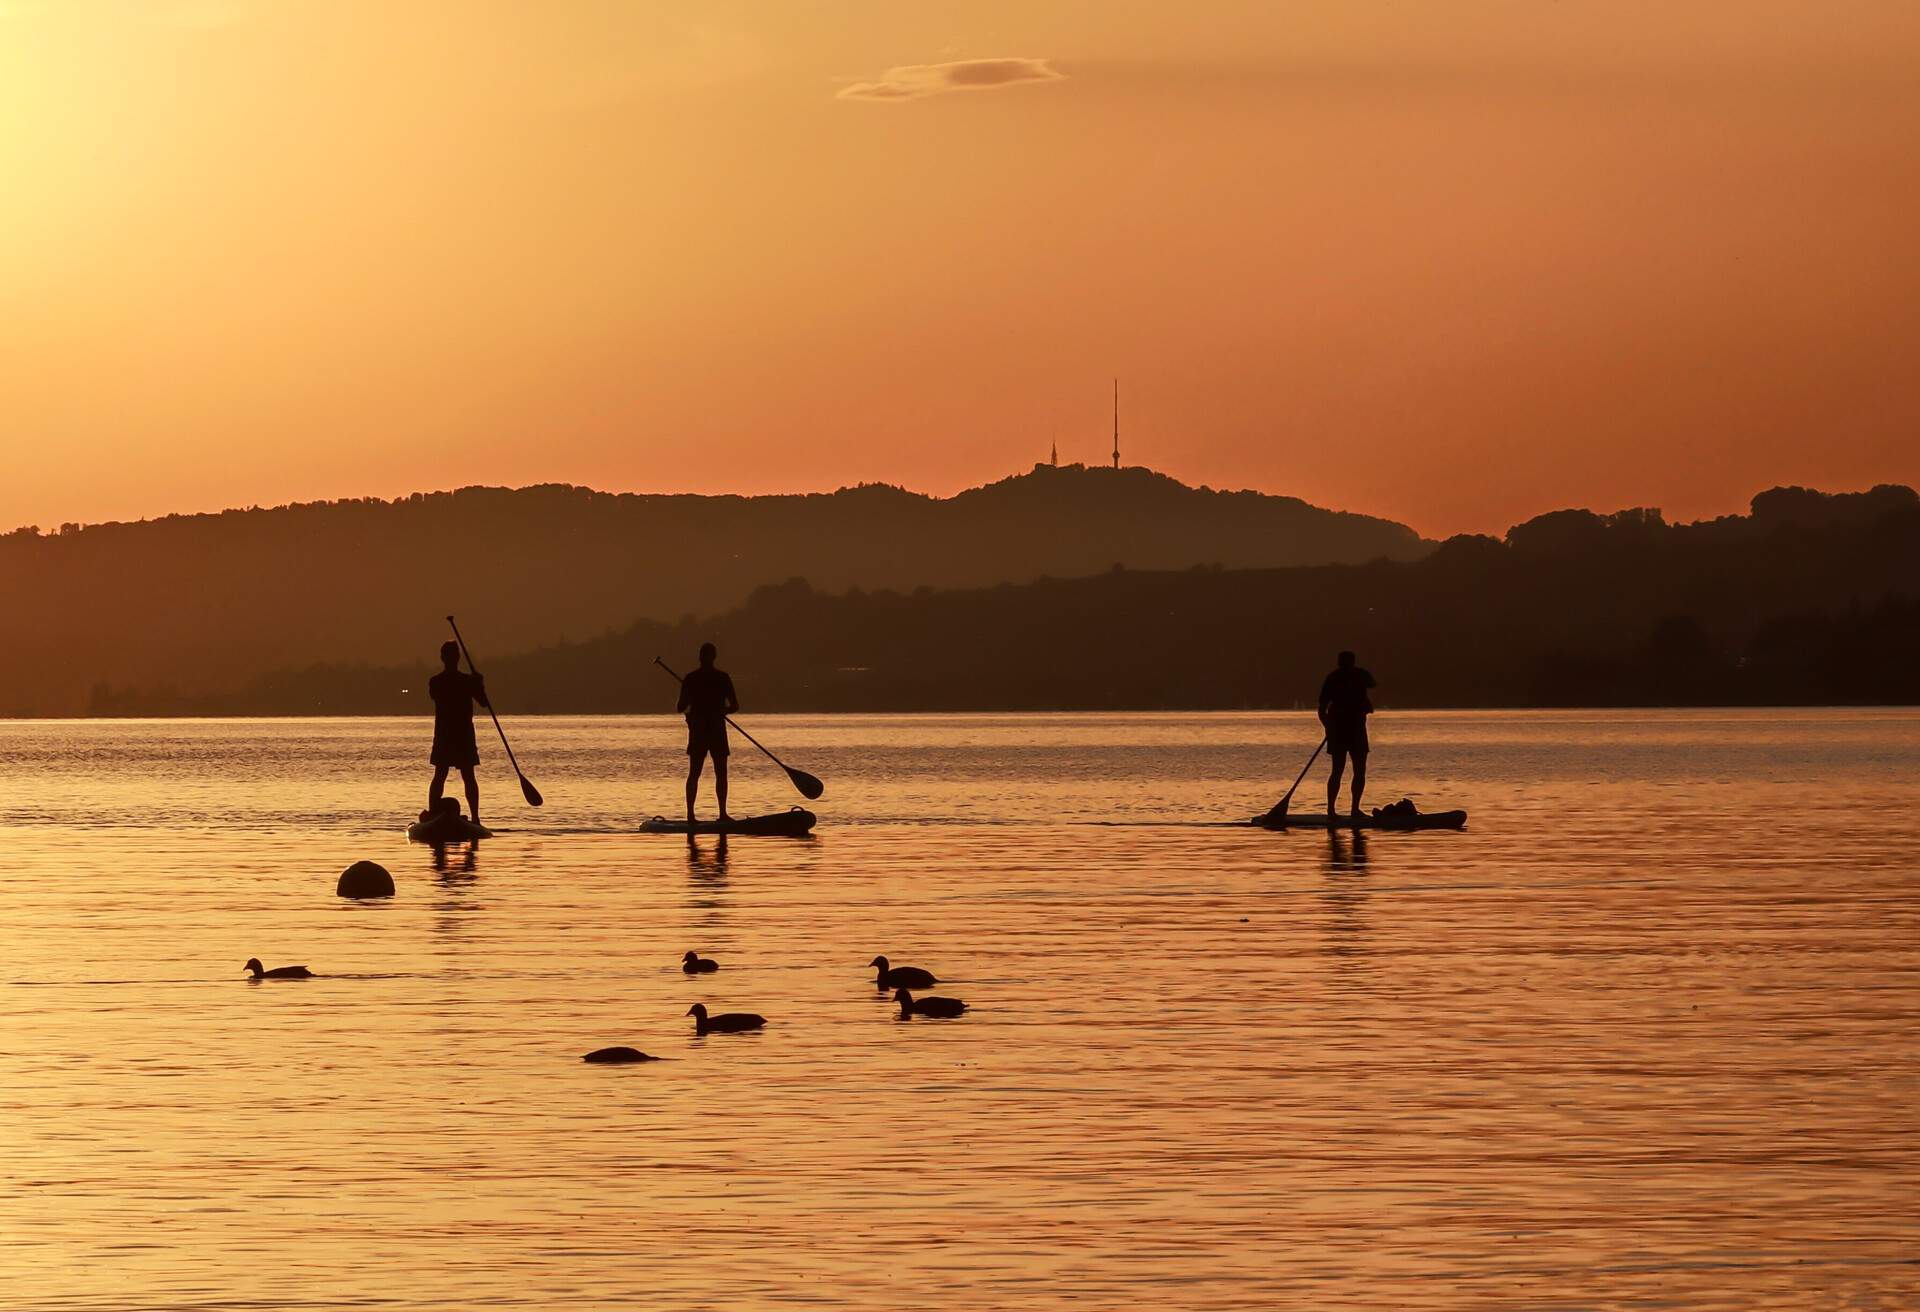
[1116,423]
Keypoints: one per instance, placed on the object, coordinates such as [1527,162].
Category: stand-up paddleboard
[446,825]
[1321,820]
[795,823]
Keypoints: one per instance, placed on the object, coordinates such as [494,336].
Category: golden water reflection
[1643,1032]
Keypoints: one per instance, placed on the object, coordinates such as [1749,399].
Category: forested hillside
[196,606]
[1809,599]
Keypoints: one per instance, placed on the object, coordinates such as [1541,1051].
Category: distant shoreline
[1386,716]
[1810,600]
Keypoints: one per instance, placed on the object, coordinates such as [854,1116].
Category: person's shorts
[1347,739]
[706,740]
[457,752]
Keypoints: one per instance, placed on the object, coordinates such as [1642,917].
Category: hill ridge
[207,601]
[1812,598]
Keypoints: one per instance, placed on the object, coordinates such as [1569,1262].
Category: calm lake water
[1643,1035]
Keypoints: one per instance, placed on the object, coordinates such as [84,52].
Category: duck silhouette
[727,1022]
[901,977]
[617,1056]
[278,972]
[695,964]
[937,1008]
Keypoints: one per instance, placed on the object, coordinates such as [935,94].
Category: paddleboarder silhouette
[707,699]
[1344,708]
[454,693]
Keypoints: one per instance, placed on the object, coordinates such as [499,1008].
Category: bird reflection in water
[1345,896]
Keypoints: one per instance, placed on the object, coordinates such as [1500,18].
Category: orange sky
[1456,262]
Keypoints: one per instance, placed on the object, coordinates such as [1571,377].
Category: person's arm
[1326,689]
[480,690]
[681,705]
[733,702]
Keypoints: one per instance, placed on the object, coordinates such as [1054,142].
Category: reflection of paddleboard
[791,824]
[446,825]
[1321,820]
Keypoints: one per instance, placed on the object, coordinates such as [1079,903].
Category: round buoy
[365,879]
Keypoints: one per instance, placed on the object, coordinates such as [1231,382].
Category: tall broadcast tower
[1116,423]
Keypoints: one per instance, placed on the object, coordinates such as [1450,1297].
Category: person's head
[450,654]
[1346,660]
[707,653]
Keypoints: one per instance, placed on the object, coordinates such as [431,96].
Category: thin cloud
[204,15]
[911,81]
[200,15]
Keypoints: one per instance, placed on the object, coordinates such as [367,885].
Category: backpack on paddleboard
[447,808]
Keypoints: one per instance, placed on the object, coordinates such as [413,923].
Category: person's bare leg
[1339,760]
[693,780]
[437,787]
[473,792]
[1359,779]
[720,784]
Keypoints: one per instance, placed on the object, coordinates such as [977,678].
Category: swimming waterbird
[901,977]
[278,972]
[727,1022]
[937,1008]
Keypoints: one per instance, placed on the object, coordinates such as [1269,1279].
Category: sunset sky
[1455,262]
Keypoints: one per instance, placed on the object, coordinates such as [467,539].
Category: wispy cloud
[911,81]
[201,15]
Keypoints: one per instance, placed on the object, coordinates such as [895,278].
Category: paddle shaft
[490,711]
[1302,775]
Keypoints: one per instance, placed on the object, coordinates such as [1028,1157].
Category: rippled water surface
[1643,1035]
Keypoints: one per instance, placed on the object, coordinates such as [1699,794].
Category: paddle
[1279,811]
[527,789]
[809,787]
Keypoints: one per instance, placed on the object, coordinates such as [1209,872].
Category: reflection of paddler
[1346,855]
[1344,708]
[707,699]
[454,693]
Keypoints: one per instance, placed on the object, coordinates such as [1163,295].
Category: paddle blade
[532,794]
[810,788]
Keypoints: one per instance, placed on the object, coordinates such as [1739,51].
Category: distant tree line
[1809,599]
[206,605]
